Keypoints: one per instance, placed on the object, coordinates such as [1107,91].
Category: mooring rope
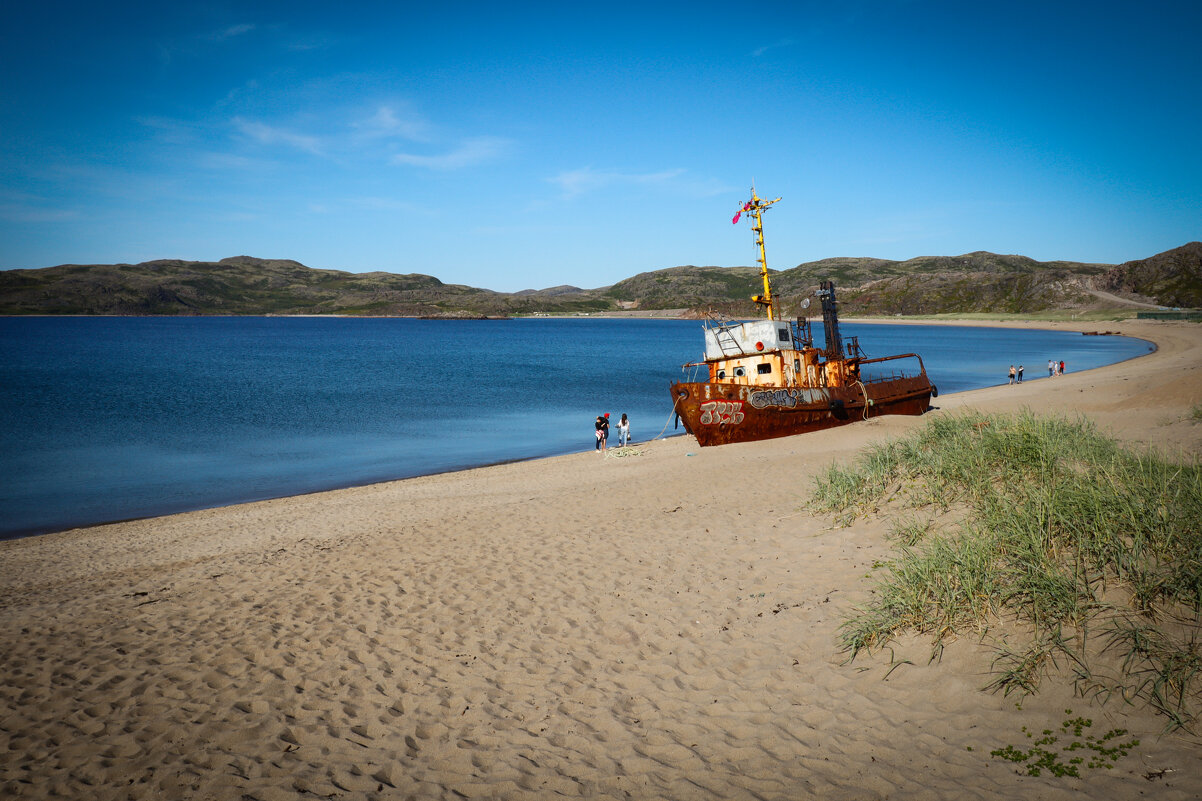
[621,451]
[660,435]
[864,390]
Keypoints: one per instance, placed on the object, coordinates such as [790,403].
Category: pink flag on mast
[738,214]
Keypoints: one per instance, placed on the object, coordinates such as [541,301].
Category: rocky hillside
[686,287]
[245,285]
[973,282]
[979,282]
[1174,277]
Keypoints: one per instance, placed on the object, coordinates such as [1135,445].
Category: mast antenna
[755,208]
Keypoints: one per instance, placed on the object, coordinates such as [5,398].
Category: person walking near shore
[1010,375]
[602,431]
[1020,374]
[1051,368]
[623,431]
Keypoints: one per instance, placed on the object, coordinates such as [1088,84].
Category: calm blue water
[111,418]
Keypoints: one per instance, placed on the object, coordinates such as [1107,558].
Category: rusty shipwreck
[765,378]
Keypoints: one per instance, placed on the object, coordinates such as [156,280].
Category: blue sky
[514,146]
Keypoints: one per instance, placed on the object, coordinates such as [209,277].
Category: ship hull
[719,413]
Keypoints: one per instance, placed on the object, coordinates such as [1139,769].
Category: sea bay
[107,418]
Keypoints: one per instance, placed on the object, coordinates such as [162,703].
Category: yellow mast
[757,206]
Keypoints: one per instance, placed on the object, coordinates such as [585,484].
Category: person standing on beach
[623,431]
[1062,367]
[1020,374]
[602,431]
[1051,368]
[1010,375]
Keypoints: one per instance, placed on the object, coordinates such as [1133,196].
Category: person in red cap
[602,431]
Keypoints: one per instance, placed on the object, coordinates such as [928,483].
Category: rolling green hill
[973,282]
[245,285]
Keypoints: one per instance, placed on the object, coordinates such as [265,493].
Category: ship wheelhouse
[777,353]
[754,353]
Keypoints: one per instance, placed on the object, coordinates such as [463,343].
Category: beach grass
[1095,552]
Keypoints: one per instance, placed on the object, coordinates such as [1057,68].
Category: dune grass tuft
[1094,548]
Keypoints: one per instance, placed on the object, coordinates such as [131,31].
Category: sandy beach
[659,625]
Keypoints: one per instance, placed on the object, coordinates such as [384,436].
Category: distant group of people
[603,431]
[1015,374]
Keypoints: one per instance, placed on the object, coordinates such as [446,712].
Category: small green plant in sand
[1195,413]
[1065,753]
[1093,551]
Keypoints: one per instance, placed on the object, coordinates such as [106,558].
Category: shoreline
[638,627]
[183,508]
[336,488]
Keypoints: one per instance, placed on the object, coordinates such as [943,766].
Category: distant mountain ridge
[244,285]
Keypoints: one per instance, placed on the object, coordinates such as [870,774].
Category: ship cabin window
[784,334]
[740,372]
[721,374]
[797,365]
[763,369]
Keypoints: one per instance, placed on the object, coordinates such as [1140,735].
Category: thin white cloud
[200,43]
[271,135]
[239,94]
[169,130]
[232,32]
[390,121]
[759,51]
[303,41]
[473,151]
[586,179]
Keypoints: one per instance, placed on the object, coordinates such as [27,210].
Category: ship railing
[922,370]
[693,370]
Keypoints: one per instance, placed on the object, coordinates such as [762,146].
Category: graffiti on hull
[715,413]
[788,398]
